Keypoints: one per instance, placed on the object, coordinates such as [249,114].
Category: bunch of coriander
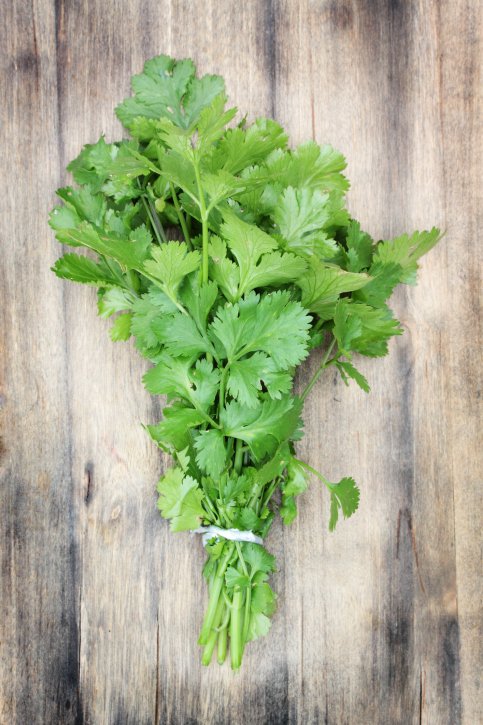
[229,257]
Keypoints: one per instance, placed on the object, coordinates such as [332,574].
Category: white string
[231,534]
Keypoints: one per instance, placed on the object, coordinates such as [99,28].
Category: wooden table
[377,623]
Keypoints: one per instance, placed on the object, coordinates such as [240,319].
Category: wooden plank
[40,576]
[377,622]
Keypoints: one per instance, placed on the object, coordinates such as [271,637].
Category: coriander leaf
[364,329]
[83,269]
[259,626]
[263,599]
[180,336]
[406,250]
[211,456]
[121,329]
[199,299]
[263,427]
[301,215]
[296,481]
[170,264]
[242,147]
[258,559]
[174,429]
[360,248]
[180,499]
[146,313]
[222,270]
[274,269]
[323,284]
[273,324]
[344,496]
[129,253]
[87,206]
[245,378]
[114,300]
[384,278]
[247,242]
[234,578]
[346,370]
[175,377]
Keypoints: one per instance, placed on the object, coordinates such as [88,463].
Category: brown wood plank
[377,622]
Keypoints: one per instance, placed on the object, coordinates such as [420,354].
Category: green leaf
[211,456]
[347,370]
[245,378]
[258,559]
[360,248]
[114,300]
[199,299]
[84,270]
[129,253]
[242,147]
[384,278]
[296,481]
[174,430]
[175,377]
[323,284]
[263,428]
[363,329]
[345,497]
[259,626]
[263,599]
[406,250]
[168,88]
[222,270]
[181,337]
[273,324]
[147,311]
[234,578]
[248,243]
[87,206]
[301,215]
[180,500]
[170,264]
[121,329]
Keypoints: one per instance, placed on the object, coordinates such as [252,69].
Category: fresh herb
[229,257]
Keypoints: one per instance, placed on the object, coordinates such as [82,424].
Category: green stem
[204,226]
[180,214]
[210,645]
[236,643]
[222,640]
[215,595]
[315,473]
[154,219]
[319,370]
[239,455]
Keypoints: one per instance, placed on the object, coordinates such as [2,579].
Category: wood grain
[377,623]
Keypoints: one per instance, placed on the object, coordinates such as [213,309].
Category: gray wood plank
[40,573]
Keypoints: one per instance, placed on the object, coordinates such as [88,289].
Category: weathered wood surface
[377,623]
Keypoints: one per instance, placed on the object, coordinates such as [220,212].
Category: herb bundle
[229,257]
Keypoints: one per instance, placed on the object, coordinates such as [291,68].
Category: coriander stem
[156,226]
[222,640]
[210,645]
[318,372]
[315,473]
[180,214]
[236,643]
[215,595]
[204,225]
[239,455]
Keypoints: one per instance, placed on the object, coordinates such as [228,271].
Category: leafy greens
[229,257]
